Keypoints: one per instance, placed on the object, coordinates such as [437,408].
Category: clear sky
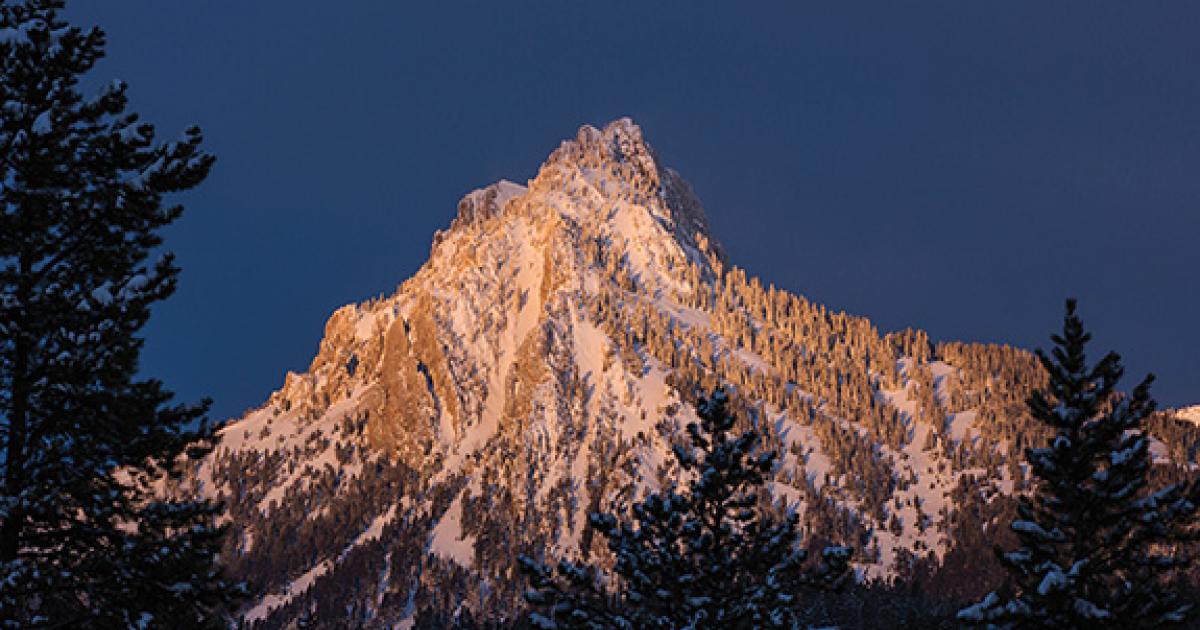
[956,166]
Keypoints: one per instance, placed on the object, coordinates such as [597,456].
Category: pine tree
[1097,547]
[85,541]
[710,557]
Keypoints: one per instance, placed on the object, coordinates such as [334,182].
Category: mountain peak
[619,141]
[610,175]
[622,165]
[540,367]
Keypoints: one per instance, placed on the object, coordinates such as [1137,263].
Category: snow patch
[297,587]
[448,540]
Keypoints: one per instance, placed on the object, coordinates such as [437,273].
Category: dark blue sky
[956,166]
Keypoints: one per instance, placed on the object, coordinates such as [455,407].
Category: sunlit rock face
[541,364]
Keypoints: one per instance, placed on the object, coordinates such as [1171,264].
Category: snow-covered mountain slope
[1191,414]
[540,365]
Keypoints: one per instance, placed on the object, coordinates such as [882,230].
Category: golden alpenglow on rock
[542,364]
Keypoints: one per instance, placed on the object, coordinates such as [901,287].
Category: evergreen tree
[710,557]
[85,541]
[1097,547]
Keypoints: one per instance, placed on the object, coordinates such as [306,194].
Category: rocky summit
[540,366]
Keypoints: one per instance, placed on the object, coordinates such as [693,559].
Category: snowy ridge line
[540,366]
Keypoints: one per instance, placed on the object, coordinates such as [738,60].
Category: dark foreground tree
[1098,548]
[84,539]
[710,557]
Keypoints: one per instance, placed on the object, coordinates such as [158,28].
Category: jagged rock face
[540,365]
[405,405]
